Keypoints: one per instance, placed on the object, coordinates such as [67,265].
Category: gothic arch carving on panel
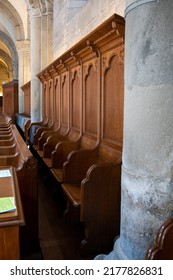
[75,99]
[45,98]
[64,98]
[51,101]
[112,98]
[57,99]
[12,48]
[73,72]
[87,66]
[106,58]
[90,99]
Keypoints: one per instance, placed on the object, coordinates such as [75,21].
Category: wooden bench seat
[5,132]
[6,136]
[7,142]
[4,122]
[5,129]
[9,160]
[8,150]
[97,196]
[163,247]
[73,192]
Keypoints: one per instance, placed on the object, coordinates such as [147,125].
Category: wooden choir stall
[80,137]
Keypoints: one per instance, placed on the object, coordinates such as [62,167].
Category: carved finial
[63,64]
[114,26]
[75,57]
[92,47]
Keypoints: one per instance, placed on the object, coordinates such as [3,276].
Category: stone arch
[7,59]
[14,57]
[11,17]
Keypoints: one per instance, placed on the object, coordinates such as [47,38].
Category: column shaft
[147,178]
[36,110]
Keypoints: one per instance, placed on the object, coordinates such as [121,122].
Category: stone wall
[74,19]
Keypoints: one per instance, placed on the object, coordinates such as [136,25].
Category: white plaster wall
[74,19]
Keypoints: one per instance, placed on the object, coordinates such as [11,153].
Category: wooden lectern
[10,220]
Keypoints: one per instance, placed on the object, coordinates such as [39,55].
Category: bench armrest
[43,138]
[62,150]
[102,186]
[38,133]
[50,144]
[77,164]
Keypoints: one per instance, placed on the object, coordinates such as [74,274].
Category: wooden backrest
[163,248]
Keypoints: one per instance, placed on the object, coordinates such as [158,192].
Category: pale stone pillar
[44,33]
[46,8]
[49,36]
[23,49]
[36,97]
[147,170]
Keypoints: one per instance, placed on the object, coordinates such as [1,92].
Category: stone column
[23,49]
[49,36]
[147,170]
[44,33]
[35,25]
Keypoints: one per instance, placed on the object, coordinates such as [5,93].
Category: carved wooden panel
[45,99]
[112,98]
[64,99]
[56,105]
[88,85]
[51,101]
[90,100]
[75,99]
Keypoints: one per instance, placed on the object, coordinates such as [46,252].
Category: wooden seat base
[58,174]
[73,192]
